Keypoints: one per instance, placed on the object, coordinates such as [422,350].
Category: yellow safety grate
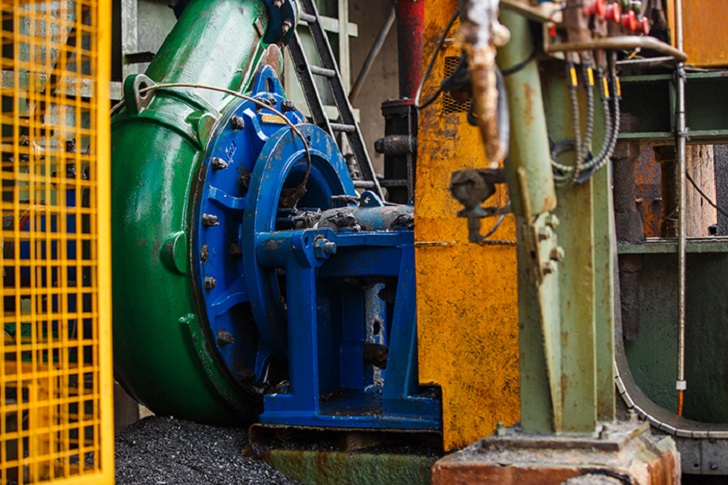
[56,399]
[450,104]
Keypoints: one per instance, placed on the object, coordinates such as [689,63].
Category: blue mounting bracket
[329,382]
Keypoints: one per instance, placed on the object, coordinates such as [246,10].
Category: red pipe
[410,36]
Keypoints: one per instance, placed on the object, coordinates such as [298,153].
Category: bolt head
[557,254]
[545,233]
[549,267]
[287,24]
[287,105]
[552,221]
[218,163]
[210,220]
[204,252]
[210,282]
[278,3]
[323,248]
[237,123]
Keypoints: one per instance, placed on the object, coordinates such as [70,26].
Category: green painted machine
[167,365]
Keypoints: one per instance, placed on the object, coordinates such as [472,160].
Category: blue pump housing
[312,304]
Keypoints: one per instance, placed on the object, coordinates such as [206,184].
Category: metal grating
[449,104]
[56,420]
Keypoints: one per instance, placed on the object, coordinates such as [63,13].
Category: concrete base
[324,456]
[624,452]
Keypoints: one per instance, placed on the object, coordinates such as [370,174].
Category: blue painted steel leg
[350,400]
[400,387]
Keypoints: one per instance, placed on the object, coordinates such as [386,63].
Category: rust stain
[528,113]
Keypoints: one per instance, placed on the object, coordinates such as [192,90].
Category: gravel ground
[166,451]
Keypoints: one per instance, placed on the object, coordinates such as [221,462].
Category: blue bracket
[346,397]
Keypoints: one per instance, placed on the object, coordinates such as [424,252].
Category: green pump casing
[158,142]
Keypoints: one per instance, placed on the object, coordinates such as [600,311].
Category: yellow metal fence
[56,420]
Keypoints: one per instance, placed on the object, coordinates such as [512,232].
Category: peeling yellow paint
[467,302]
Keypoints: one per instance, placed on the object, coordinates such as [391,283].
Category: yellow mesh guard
[55,377]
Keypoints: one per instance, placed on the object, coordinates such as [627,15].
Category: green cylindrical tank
[160,351]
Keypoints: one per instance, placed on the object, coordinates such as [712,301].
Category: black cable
[521,65]
[704,196]
[427,72]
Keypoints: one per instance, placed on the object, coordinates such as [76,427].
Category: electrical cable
[573,95]
[521,65]
[704,196]
[301,189]
[430,64]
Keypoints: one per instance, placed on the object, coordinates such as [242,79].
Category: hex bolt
[605,433]
[224,337]
[500,429]
[287,24]
[548,267]
[329,247]
[204,252]
[277,3]
[272,101]
[237,123]
[552,221]
[323,248]
[210,282]
[218,163]
[557,254]
[545,233]
[287,105]
[713,466]
[210,220]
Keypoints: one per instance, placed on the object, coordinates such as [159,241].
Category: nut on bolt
[218,163]
[548,267]
[287,24]
[323,248]
[278,3]
[287,105]
[210,220]
[237,123]
[557,254]
[210,282]
[204,252]
[552,221]
[224,337]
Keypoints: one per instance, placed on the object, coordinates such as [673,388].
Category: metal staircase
[346,123]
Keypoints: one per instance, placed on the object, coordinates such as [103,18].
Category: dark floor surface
[166,451]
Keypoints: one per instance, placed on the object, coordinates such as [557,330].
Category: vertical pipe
[410,35]
[681,128]
[529,146]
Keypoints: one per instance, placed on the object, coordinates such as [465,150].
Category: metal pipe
[681,134]
[620,43]
[410,38]
[373,53]
[647,62]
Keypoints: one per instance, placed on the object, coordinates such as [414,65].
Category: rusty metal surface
[705,31]
[627,450]
[466,293]
[648,192]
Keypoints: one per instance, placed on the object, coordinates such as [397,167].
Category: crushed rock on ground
[168,451]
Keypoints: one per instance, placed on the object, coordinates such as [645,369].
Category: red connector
[613,13]
[597,7]
[629,21]
[645,25]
